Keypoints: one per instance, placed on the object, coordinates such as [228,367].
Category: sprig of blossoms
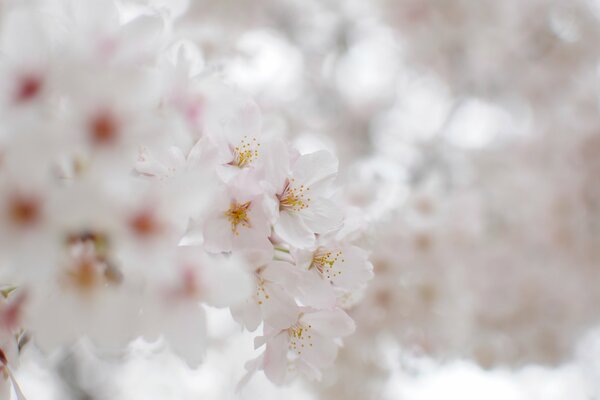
[135,187]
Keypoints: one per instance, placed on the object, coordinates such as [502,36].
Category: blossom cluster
[135,187]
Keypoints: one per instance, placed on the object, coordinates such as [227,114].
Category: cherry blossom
[138,187]
[307,345]
[303,192]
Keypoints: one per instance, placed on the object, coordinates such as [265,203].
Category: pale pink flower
[271,303]
[307,346]
[175,310]
[342,265]
[238,221]
[303,206]
[234,127]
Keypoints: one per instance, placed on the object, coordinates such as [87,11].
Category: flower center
[189,289]
[104,129]
[144,223]
[238,215]
[324,261]
[89,265]
[261,293]
[294,198]
[29,86]
[300,337]
[24,210]
[246,153]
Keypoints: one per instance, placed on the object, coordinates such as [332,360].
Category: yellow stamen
[324,261]
[299,337]
[245,154]
[238,215]
[294,198]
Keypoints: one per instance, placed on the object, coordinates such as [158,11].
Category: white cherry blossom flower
[307,346]
[304,207]
[343,265]
[238,221]
[271,303]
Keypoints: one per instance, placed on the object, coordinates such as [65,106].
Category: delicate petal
[279,310]
[322,216]
[353,267]
[332,323]
[314,291]
[248,314]
[275,361]
[217,235]
[321,353]
[251,367]
[313,168]
[293,230]
[281,272]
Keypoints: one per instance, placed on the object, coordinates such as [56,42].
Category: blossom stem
[281,249]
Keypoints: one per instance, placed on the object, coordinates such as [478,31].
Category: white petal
[293,230]
[313,168]
[280,272]
[332,323]
[322,216]
[354,267]
[217,235]
[275,361]
[249,314]
[279,310]
[322,353]
[276,165]
[308,370]
[251,367]
[303,258]
[314,291]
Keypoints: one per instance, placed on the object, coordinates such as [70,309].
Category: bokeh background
[468,133]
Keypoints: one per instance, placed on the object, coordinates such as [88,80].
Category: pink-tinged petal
[276,166]
[302,258]
[258,215]
[320,352]
[351,267]
[308,370]
[275,361]
[322,216]
[227,173]
[217,235]
[247,121]
[280,272]
[332,323]
[251,238]
[314,168]
[314,291]
[251,367]
[260,341]
[279,310]
[271,209]
[202,151]
[248,314]
[292,229]
[253,234]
